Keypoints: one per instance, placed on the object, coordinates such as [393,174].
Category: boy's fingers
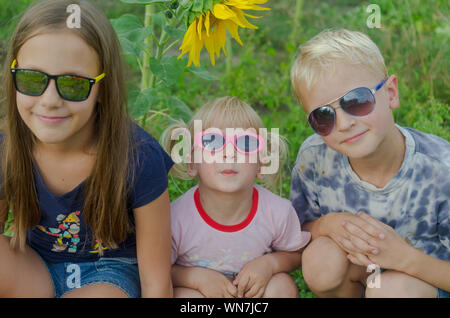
[363,246]
[371,220]
[354,260]
[359,259]
[363,259]
[347,245]
[355,230]
[356,245]
[368,226]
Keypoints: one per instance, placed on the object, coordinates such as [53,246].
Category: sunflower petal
[200,26]
[221,36]
[210,28]
[233,29]
[247,5]
[222,12]
[207,23]
[187,39]
[209,44]
[241,20]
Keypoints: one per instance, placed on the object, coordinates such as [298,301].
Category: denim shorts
[443,293]
[120,272]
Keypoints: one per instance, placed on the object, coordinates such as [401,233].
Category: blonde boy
[359,161]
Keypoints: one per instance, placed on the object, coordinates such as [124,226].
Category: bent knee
[324,264]
[281,285]
[183,292]
[394,284]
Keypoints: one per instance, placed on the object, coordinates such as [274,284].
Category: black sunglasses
[70,87]
[357,102]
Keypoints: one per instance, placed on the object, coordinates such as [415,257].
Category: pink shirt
[197,240]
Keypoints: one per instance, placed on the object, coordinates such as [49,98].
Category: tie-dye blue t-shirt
[415,202]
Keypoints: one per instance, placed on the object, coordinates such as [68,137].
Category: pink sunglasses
[246,143]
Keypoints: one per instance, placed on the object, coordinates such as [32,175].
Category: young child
[230,236]
[368,190]
[86,186]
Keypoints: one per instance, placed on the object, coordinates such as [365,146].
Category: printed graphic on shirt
[222,263]
[66,233]
[96,248]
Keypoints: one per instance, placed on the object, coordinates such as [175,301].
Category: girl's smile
[51,119]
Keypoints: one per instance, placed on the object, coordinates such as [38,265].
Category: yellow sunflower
[209,28]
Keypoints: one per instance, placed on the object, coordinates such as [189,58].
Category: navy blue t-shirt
[63,235]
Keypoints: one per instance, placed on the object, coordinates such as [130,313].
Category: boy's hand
[252,280]
[336,226]
[214,284]
[390,250]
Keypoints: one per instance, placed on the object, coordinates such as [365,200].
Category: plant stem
[229,59]
[296,22]
[149,10]
[159,54]
[145,80]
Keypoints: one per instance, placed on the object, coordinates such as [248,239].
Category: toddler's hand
[252,280]
[213,284]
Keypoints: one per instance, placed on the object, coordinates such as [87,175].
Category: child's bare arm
[183,276]
[430,269]
[255,275]
[153,246]
[209,282]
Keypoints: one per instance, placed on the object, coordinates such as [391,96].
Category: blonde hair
[106,189]
[320,54]
[227,112]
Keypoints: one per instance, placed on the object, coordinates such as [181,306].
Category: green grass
[414,39]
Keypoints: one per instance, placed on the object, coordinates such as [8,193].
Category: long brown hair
[105,190]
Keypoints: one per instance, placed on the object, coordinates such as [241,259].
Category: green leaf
[202,73]
[192,16]
[131,33]
[208,5]
[176,33]
[129,47]
[198,6]
[169,69]
[186,3]
[126,23]
[144,1]
[144,102]
[129,26]
[159,18]
[179,109]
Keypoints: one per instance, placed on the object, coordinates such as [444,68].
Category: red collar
[227,228]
